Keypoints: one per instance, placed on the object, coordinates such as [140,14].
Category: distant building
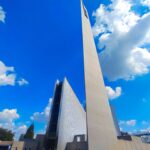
[24,144]
[5,145]
[18,145]
[79,143]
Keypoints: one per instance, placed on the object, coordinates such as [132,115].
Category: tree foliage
[6,135]
[30,132]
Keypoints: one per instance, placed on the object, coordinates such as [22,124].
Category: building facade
[67,118]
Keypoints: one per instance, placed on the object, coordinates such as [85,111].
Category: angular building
[67,118]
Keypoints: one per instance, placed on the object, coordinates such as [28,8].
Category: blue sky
[42,41]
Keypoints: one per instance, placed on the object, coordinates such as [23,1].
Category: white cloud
[39,117]
[113,94]
[116,16]
[41,131]
[8,76]
[145,3]
[146,130]
[7,121]
[7,79]
[44,115]
[124,35]
[18,130]
[130,123]
[2,15]
[22,82]
[8,115]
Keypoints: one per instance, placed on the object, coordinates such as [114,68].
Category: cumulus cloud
[146,3]
[145,130]
[113,94]
[123,35]
[2,15]
[130,123]
[8,76]
[7,121]
[44,115]
[116,16]
[8,115]
[22,82]
[7,118]
[18,130]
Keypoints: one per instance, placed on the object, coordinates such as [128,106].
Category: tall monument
[100,126]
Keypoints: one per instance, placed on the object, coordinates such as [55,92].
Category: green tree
[30,132]
[6,135]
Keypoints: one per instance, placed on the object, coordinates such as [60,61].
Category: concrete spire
[100,127]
